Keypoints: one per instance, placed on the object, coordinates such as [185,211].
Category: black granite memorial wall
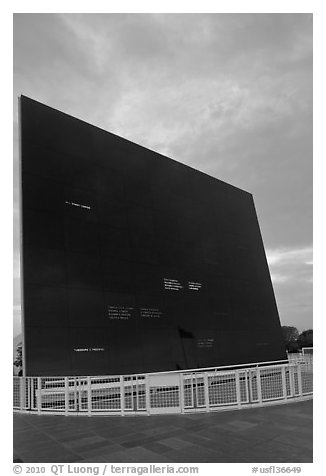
[133,262]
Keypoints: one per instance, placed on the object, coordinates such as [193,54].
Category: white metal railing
[170,392]
[302,356]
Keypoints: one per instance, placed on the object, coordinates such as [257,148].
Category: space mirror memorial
[133,262]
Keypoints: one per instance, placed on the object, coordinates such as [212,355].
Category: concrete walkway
[275,434]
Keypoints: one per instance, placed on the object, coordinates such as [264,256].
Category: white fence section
[305,355]
[163,393]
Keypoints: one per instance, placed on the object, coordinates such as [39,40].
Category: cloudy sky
[228,94]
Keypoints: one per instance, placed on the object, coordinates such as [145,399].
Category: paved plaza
[278,434]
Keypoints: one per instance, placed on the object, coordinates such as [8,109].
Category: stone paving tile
[213,445]
[248,437]
[175,443]
[240,425]
[157,430]
[196,439]
[119,431]
[116,457]
[193,454]
[55,456]
[136,442]
[45,445]
[119,439]
[143,455]
[291,428]
[292,420]
[30,437]
[69,435]
[216,435]
[86,448]
[273,452]
[93,459]
[82,442]
[100,451]
[177,432]
[296,440]
[156,447]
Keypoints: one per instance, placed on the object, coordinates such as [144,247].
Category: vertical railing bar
[259,394]
[206,391]
[38,394]
[237,388]
[181,393]
[122,395]
[22,392]
[147,396]
[285,393]
[194,390]
[89,396]
[299,380]
[76,388]
[29,393]
[249,386]
[135,394]
[66,395]
[77,394]
[291,379]
[27,399]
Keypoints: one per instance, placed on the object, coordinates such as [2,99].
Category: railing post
[259,395]
[248,385]
[237,387]
[147,396]
[285,393]
[181,393]
[206,391]
[22,392]
[291,380]
[299,380]
[66,395]
[89,396]
[28,395]
[122,395]
[38,395]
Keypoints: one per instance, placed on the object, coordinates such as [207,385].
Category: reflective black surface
[133,262]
